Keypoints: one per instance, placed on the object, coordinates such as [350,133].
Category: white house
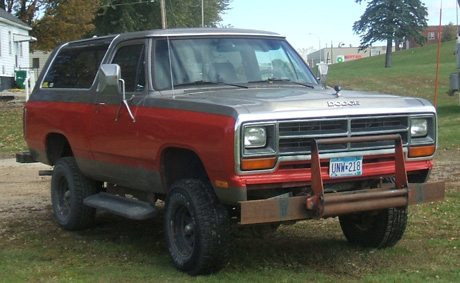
[38,59]
[14,48]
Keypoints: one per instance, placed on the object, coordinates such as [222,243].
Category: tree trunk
[388,55]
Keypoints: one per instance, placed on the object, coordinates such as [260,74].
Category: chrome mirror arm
[125,102]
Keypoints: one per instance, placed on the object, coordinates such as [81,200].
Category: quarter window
[75,66]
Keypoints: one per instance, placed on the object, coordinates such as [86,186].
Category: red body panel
[94,134]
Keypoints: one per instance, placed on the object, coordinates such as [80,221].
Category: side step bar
[129,208]
[24,157]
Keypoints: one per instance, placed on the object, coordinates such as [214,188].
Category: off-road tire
[69,187]
[196,227]
[379,229]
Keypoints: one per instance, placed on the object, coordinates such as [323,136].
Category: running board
[129,208]
[24,157]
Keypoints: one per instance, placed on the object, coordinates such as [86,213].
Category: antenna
[170,67]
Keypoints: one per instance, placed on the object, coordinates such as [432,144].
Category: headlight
[419,127]
[255,137]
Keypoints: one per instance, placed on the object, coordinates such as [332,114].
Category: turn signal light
[258,164]
[420,151]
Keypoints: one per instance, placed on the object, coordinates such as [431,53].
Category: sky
[314,23]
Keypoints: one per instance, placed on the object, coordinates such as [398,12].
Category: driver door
[114,139]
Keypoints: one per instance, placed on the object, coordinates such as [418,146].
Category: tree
[449,33]
[64,20]
[389,20]
[25,10]
[116,16]
[187,13]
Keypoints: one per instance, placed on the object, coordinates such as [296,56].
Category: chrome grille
[295,136]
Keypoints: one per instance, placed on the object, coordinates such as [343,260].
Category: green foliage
[63,21]
[449,33]
[116,16]
[390,20]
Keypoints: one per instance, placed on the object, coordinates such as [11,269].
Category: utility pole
[163,14]
[202,13]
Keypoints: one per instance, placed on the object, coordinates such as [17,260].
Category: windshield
[226,60]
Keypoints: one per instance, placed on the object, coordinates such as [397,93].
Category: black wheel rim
[63,198]
[364,222]
[183,231]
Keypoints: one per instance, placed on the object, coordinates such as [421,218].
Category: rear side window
[75,66]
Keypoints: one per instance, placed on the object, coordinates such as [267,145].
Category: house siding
[14,48]
[42,57]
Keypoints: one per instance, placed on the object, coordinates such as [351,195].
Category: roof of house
[7,16]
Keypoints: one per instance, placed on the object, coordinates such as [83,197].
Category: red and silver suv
[228,127]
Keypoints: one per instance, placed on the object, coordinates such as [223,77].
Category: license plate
[346,166]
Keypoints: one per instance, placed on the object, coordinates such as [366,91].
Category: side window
[131,60]
[160,65]
[75,66]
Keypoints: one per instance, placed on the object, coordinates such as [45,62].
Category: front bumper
[335,204]
[320,204]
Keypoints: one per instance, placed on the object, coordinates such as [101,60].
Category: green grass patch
[11,137]
[35,249]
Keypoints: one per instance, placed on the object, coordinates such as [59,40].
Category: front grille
[295,137]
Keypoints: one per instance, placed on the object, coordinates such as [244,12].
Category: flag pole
[439,57]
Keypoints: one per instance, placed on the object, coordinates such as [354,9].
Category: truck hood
[294,99]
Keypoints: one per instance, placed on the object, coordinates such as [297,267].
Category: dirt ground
[22,190]
[24,193]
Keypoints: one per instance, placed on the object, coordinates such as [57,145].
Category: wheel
[380,229]
[69,187]
[196,227]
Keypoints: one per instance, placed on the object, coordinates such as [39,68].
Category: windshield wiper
[201,82]
[271,80]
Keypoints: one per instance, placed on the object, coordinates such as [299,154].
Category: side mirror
[109,77]
[322,73]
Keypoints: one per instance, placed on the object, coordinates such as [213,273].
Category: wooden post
[163,14]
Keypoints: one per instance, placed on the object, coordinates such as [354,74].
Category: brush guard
[321,205]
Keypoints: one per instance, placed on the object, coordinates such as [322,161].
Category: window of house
[10,43]
[35,63]
[431,36]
